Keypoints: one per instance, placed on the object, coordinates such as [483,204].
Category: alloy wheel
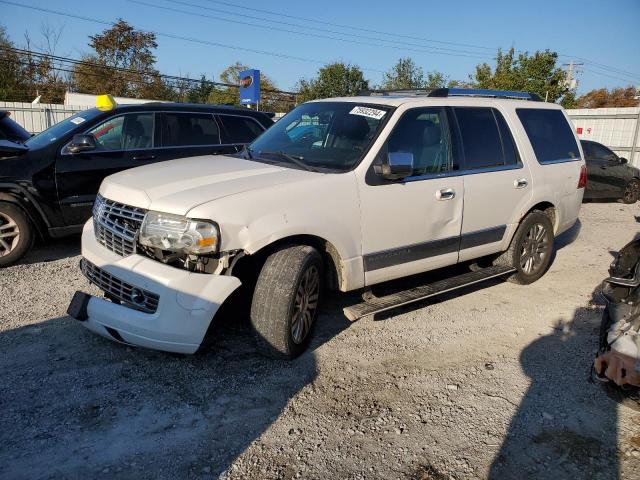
[9,234]
[305,304]
[534,250]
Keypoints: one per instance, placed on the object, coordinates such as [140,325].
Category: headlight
[179,234]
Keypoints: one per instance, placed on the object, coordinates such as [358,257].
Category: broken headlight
[179,234]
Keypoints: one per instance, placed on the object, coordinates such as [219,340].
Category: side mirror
[397,165]
[10,149]
[82,143]
[623,160]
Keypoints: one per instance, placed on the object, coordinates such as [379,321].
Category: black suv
[609,176]
[48,184]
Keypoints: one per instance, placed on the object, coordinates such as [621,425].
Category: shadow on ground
[565,426]
[74,405]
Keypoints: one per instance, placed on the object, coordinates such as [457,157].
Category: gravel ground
[491,383]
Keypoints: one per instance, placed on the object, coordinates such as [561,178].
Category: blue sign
[250,87]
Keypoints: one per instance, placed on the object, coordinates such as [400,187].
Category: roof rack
[454,92]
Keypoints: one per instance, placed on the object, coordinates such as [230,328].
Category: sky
[291,39]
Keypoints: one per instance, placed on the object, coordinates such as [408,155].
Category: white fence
[617,128]
[39,117]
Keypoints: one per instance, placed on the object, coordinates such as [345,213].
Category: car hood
[178,186]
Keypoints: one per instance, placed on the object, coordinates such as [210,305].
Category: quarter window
[125,132]
[240,129]
[185,129]
[423,132]
[484,145]
[550,134]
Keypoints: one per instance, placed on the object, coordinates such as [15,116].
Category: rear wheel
[16,234]
[285,301]
[531,249]
[631,192]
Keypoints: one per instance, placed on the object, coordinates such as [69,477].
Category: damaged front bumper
[156,306]
[618,358]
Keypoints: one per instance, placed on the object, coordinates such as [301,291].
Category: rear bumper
[187,301]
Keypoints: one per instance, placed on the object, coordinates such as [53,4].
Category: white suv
[341,193]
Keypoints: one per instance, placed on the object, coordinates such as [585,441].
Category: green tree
[13,87]
[333,80]
[404,74]
[536,73]
[201,92]
[119,48]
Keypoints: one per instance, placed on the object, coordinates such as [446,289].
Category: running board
[373,305]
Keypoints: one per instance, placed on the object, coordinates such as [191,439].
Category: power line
[442,50]
[177,37]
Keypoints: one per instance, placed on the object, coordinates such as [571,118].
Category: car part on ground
[618,358]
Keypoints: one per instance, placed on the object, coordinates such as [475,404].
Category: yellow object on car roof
[105,103]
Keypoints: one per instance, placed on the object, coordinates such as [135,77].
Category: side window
[125,132]
[550,134]
[182,129]
[511,156]
[481,140]
[589,153]
[425,133]
[602,153]
[240,129]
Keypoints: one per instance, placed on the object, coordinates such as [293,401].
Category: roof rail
[478,92]
[452,92]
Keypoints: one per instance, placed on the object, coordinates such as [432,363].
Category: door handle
[445,194]
[144,157]
[520,183]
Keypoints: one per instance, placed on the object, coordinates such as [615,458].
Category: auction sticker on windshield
[368,112]
[77,120]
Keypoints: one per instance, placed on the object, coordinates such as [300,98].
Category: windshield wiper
[293,159]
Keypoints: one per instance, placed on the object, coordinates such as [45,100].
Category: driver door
[123,141]
[413,225]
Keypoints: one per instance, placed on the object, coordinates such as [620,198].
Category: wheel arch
[548,208]
[27,206]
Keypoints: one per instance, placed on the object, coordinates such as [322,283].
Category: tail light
[582,183]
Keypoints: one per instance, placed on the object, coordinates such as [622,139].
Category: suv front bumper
[187,302]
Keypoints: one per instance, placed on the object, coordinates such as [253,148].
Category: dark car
[10,130]
[609,177]
[48,184]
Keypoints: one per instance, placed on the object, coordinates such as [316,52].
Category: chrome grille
[116,225]
[134,297]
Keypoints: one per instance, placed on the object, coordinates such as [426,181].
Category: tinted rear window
[550,134]
[240,129]
[189,129]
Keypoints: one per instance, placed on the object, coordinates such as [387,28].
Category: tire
[290,282]
[16,234]
[537,226]
[631,192]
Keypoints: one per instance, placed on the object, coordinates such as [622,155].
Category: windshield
[60,129]
[331,136]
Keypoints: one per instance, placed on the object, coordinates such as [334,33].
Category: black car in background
[609,177]
[49,182]
[10,130]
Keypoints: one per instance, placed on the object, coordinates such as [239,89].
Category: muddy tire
[16,234]
[531,249]
[286,300]
[631,192]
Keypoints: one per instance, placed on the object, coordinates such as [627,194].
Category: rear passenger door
[496,182]
[238,130]
[189,134]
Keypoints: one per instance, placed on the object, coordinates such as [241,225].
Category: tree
[404,74]
[537,73]
[617,97]
[333,80]
[200,93]
[12,85]
[119,48]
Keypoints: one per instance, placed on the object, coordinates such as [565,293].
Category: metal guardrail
[38,117]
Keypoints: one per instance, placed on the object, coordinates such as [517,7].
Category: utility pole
[570,82]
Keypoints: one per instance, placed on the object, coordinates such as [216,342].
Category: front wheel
[631,192]
[285,301]
[16,234]
[531,249]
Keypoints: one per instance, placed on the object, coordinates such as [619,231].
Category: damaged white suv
[341,194]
